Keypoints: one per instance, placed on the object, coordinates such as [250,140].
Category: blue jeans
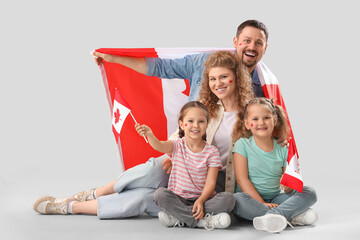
[135,188]
[134,191]
[290,205]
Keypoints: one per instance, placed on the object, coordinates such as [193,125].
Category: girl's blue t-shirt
[264,168]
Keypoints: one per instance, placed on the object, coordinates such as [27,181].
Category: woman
[225,89]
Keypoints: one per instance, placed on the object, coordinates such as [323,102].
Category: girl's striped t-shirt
[189,170]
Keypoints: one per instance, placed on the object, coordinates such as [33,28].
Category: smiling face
[250,46]
[194,123]
[260,121]
[222,83]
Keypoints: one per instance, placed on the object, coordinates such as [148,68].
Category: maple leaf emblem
[117,116]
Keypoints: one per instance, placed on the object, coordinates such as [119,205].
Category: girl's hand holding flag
[143,130]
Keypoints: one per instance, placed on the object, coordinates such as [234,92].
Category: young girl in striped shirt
[190,198]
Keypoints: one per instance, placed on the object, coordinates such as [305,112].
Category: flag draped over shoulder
[156,102]
[292,176]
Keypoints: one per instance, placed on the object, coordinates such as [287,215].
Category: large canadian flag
[157,102]
[292,176]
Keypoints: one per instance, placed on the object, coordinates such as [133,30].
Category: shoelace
[209,224]
[179,224]
[289,224]
[84,196]
[58,207]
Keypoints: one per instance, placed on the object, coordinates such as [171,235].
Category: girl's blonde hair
[186,108]
[243,82]
[281,129]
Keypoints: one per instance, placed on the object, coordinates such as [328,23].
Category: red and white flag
[121,108]
[292,176]
[156,101]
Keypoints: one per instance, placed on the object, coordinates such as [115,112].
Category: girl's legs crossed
[175,205]
[295,203]
[290,205]
[221,202]
[248,208]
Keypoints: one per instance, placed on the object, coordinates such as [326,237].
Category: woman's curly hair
[243,84]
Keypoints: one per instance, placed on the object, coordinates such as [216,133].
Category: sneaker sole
[270,223]
[38,201]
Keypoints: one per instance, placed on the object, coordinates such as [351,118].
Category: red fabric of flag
[292,176]
[145,95]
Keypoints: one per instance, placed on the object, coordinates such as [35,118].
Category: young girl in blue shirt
[259,165]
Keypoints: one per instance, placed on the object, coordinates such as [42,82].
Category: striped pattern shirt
[189,170]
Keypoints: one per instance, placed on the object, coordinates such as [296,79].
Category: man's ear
[265,48]
[235,42]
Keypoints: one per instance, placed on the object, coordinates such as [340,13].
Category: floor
[19,222]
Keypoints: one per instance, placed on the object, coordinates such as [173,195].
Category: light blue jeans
[135,188]
[290,205]
[134,191]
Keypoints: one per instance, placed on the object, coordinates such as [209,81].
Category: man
[250,45]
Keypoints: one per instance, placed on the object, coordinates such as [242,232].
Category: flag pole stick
[136,123]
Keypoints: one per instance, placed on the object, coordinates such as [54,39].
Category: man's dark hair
[255,24]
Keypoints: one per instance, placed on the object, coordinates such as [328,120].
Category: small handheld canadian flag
[292,177]
[121,108]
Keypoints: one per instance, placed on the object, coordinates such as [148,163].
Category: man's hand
[100,57]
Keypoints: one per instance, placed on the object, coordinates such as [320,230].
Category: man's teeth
[250,54]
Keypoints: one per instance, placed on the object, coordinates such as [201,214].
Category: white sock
[69,207]
[94,194]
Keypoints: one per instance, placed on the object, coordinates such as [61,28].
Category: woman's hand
[167,165]
[198,209]
[271,205]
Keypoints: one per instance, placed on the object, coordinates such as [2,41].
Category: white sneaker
[270,222]
[308,217]
[51,205]
[85,195]
[169,221]
[220,220]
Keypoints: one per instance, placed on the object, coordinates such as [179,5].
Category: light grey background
[55,122]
